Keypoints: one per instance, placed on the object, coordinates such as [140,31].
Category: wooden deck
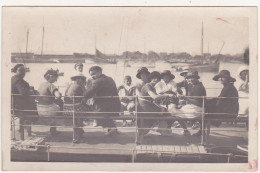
[96,143]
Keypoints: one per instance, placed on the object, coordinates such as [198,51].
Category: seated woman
[224,104]
[147,103]
[76,88]
[167,86]
[23,101]
[223,107]
[49,94]
[243,74]
[193,107]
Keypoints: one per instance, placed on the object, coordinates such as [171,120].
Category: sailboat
[200,66]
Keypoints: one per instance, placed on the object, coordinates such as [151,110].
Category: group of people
[158,96]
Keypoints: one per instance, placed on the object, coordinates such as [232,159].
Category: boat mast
[95,45]
[27,42]
[221,47]
[202,54]
[42,39]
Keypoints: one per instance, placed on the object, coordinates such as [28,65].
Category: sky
[118,29]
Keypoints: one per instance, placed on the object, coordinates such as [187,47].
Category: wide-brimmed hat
[241,69]
[167,72]
[224,74]
[78,75]
[142,70]
[184,72]
[192,73]
[154,74]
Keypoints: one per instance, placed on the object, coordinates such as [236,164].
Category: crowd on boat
[158,95]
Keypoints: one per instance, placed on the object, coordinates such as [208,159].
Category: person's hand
[182,97]
[124,99]
[179,91]
[171,95]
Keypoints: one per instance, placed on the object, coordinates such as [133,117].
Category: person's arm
[244,86]
[57,94]
[200,91]
[159,88]
[54,90]
[154,95]
[119,88]
[23,87]
[91,91]
[179,86]
[221,101]
[174,88]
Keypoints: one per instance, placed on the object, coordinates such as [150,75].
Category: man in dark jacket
[21,99]
[104,86]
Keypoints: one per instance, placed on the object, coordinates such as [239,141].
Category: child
[127,103]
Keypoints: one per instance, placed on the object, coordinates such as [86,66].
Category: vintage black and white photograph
[129,84]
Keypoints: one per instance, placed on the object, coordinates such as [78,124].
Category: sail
[100,54]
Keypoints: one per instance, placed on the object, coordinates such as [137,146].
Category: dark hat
[193,73]
[154,74]
[52,72]
[225,74]
[14,70]
[167,72]
[142,70]
[95,68]
[127,77]
[78,64]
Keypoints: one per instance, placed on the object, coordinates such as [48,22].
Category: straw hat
[78,75]
[78,64]
[241,69]
[192,73]
[184,72]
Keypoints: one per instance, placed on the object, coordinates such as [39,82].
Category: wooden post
[29,128]
[136,132]
[142,131]
[208,132]
[203,128]
[12,118]
[73,118]
[21,128]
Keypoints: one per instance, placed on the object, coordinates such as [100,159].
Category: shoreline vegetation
[99,57]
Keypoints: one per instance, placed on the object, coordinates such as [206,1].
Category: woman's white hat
[240,69]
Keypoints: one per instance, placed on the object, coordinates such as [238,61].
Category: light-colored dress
[46,105]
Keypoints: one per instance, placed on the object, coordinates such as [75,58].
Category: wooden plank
[177,149]
[155,148]
[138,149]
[160,148]
[183,149]
[202,149]
[168,148]
[189,149]
[195,149]
[149,148]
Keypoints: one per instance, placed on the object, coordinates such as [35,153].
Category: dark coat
[104,86]
[23,101]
